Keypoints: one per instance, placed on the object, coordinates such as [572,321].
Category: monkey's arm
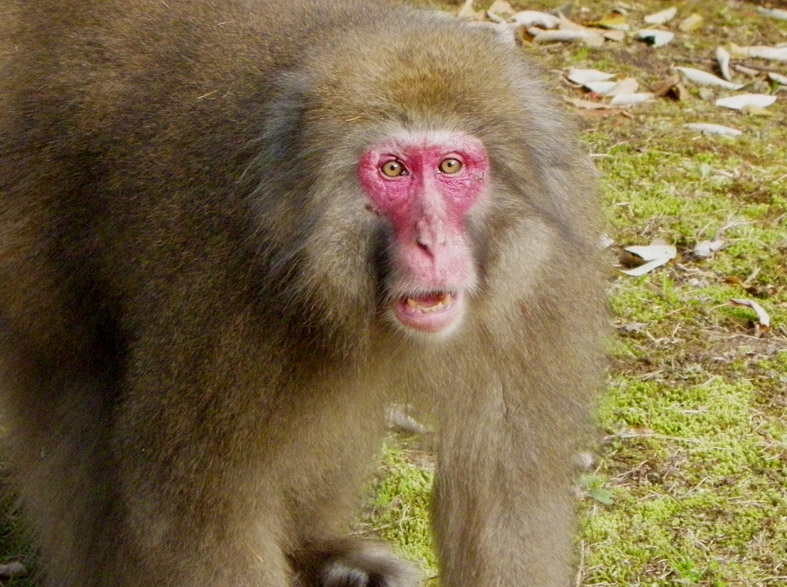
[504,493]
[503,502]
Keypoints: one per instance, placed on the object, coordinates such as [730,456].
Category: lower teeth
[441,305]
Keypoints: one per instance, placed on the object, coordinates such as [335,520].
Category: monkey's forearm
[503,476]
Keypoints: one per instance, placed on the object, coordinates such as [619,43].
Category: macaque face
[425,186]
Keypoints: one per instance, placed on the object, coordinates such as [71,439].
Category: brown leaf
[763,320]
[670,87]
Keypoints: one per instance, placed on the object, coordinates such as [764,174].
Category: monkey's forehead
[399,139]
[427,68]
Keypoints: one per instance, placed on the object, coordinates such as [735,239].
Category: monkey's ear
[284,116]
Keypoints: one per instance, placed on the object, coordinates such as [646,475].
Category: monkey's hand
[357,564]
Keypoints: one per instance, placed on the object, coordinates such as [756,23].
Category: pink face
[426,185]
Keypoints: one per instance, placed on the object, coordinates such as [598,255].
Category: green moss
[399,509]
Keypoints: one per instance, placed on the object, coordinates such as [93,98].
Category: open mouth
[429,312]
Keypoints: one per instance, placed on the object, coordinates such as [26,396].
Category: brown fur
[192,359]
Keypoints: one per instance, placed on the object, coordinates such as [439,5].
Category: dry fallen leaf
[714,129]
[589,105]
[653,255]
[530,18]
[614,21]
[671,87]
[745,70]
[600,88]
[584,76]
[758,290]
[746,102]
[567,23]
[627,85]
[614,35]
[707,79]
[760,51]
[723,58]
[655,37]
[763,319]
[778,78]
[598,113]
[645,267]
[631,99]
[661,17]
[591,37]
[633,327]
[705,249]
[655,250]
[691,23]
[565,35]
[776,13]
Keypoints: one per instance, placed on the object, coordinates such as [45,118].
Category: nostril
[423,243]
[430,234]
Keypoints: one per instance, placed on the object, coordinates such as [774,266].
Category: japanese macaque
[231,233]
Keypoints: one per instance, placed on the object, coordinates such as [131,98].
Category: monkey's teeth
[442,304]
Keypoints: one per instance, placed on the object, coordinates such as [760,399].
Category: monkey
[231,233]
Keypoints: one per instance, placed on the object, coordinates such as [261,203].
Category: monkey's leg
[204,442]
[326,557]
[503,509]
[57,450]
[237,472]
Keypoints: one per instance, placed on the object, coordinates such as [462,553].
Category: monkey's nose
[430,234]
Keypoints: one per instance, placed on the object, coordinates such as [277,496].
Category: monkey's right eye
[393,168]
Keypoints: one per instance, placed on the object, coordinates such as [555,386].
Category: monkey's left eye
[450,165]
[393,168]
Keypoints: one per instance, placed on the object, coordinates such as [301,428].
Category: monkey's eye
[450,165]
[393,168]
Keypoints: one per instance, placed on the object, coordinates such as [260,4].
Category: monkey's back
[126,129]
